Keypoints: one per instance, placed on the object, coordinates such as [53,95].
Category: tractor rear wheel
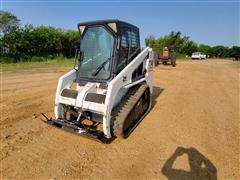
[173,62]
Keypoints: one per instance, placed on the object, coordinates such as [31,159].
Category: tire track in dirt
[26,103]
[16,88]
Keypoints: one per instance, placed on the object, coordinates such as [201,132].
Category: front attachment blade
[71,127]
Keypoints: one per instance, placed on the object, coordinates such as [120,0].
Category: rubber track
[125,108]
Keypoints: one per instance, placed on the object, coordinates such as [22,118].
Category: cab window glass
[123,50]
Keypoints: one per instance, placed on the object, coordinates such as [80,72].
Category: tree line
[19,43]
[34,43]
[184,45]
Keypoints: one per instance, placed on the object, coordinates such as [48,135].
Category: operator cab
[106,47]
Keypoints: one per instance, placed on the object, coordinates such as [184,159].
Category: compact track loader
[109,91]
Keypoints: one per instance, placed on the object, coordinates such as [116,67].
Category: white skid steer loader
[109,91]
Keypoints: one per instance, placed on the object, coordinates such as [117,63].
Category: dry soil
[196,104]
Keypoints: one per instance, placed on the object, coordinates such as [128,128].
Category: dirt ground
[195,116]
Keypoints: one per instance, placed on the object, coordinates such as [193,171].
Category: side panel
[124,78]
[64,82]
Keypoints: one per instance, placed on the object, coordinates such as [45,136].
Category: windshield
[97,47]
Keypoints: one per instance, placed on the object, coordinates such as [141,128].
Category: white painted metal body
[116,89]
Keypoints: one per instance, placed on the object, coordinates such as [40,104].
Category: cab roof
[106,21]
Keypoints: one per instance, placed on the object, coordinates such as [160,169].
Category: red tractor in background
[167,57]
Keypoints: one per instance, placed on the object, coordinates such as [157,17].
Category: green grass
[46,63]
[182,57]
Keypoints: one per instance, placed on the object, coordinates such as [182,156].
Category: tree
[174,41]
[8,22]
[70,41]
[150,40]
[26,42]
[205,49]
[189,47]
[219,51]
[233,51]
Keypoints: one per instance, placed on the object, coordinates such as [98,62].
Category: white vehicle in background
[198,55]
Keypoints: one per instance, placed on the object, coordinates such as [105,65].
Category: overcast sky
[213,22]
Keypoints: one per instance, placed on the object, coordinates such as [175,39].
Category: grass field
[55,64]
[28,65]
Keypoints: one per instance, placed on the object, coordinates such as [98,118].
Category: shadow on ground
[156,93]
[200,167]
[167,66]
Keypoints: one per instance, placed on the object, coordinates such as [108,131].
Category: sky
[212,22]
